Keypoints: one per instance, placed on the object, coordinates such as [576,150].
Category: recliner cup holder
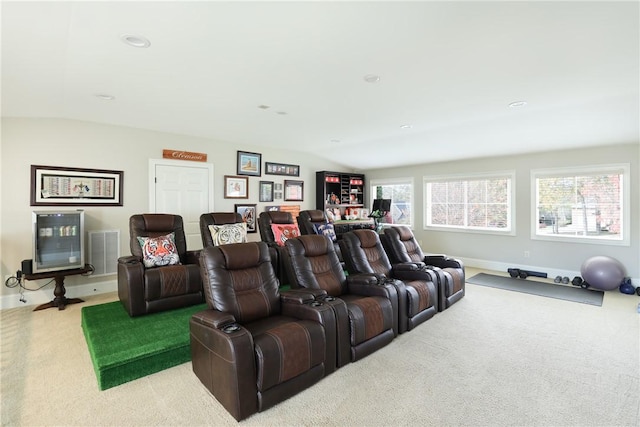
[315,303]
[231,328]
[329,298]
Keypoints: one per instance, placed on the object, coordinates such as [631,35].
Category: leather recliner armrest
[129,259]
[192,257]
[214,318]
[302,295]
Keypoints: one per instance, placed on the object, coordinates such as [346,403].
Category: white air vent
[104,250]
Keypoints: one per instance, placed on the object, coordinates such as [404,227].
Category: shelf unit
[339,190]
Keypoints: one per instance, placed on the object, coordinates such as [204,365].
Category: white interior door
[182,188]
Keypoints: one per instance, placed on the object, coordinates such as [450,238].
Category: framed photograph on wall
[236,187]
[266,191]
[281,169]
[249,163]
[63,186]
[293,191]
[248,214]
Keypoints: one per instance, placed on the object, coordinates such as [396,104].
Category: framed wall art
[249,163]
[236,187]
[281,169]
[266,191]
[57,186]
[293,191]
[249,215]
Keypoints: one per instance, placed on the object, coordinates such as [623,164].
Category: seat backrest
[238,278]
[362,252]
[155,225]
[314,264]
[401,245]
[308,218]
[266,219]
[216,218]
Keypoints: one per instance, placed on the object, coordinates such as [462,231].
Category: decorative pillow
[228,233]
[325,230]
[282,232]
[158,251]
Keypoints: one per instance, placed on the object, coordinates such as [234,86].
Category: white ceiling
[448,69]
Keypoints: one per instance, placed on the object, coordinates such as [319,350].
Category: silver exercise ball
[603,272]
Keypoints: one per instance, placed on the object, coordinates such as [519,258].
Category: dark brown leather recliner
[402,248]
[265,221]
[369,320]
[417,294]
[308,220]
[255,347]
[216,218]
[144,290]
[224,218]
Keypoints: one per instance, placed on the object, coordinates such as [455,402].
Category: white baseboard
[45,295]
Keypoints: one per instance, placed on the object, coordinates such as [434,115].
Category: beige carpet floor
[496,358]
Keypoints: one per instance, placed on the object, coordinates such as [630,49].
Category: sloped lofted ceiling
[292,74]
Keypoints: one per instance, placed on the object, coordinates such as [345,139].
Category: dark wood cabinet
[339,190]
[341,195]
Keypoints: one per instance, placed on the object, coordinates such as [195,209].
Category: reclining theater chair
[255,347]
[315,222]
[369,320]
[275,227]
[160,274]
[417,295]
[221,228]
[402,248]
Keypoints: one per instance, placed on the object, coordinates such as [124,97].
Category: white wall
[494,251]
[52,142]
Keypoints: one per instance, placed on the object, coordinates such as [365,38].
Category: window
[578,204]
[400,191]
[480,202]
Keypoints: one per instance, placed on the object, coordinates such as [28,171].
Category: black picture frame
[266,191]
[67,186]
[249,163]
[293,191]
[271,168]
[249,214]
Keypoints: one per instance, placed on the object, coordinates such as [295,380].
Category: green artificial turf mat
[126,348]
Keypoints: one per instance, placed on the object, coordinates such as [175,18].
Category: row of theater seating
[257,345]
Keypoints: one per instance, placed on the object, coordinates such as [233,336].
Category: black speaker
[27,266]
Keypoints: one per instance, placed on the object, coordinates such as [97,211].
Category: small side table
[60,300]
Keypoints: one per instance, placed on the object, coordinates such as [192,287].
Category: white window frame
[510,175]
[373,183]
[623,168]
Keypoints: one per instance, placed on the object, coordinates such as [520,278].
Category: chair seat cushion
[286,350]
[368,316]
[159,251]
[172,281]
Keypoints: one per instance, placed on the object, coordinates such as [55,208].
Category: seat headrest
[316,216]
[368,238]
[314,244]
[239,256]
[278,217]
[158,222]
[405,233]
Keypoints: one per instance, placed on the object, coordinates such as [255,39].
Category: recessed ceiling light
[282,113]
[263,107]
[371,78]
[105,96]
[517,104]
[406,127]
[335,141]
[135,41]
